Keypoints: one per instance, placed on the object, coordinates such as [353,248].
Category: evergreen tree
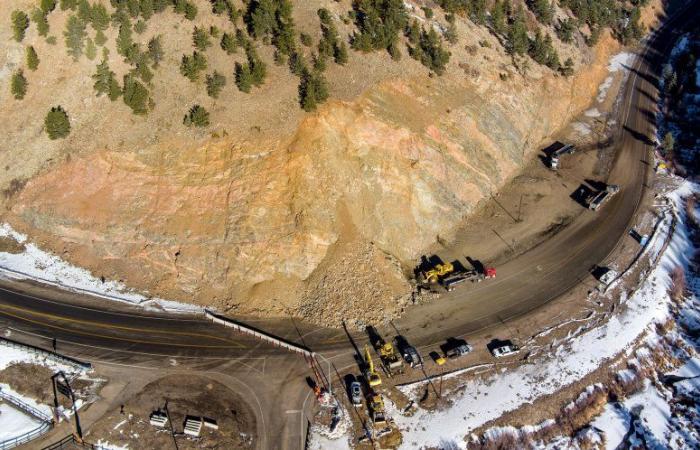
[498,17]
[565,30]
[313,90]
[378,23]
[105,81]
[42,24]
[100,38]
[543,9]
[99,17]
[135,95]
[68,4]
[146,7]
[155,51]
[429,51]
[18,85]
[125,40]
[32,58]
[229,43]
[191,66]
[47,6]
[215,83]
[297,65]
[244,79]
[200,39]
[451,33]
[90,49]
[197,116]
[20,23]
[56,123]
[75,36]
[517,34]
[340,53]
[568,68]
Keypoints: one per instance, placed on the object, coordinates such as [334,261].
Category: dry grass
[678,288]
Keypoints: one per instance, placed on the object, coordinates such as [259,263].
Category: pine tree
[146,8]
[498,17]
[244,79]
[544,10]
[517,34]
[32,58]
[215,83]
[191,66]
[229,43]
[313,90]
[47,6]
[340,53]
[99,17]
[197,116]
[155,51]
[90,49]
[56,123]
[18,85]
[200,39]
[135,95]
[105,81]
[42,24]
[20,23]
[75,36]
[68,4]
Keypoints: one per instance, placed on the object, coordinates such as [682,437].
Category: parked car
[460,350]
[504,350]
[356,393]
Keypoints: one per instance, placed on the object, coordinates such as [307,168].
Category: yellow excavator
[434,274]
[373,378]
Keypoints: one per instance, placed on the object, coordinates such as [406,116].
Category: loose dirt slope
[242,215]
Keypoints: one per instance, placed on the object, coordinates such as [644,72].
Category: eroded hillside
[270,209]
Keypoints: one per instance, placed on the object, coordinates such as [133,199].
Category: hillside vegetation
[264,155]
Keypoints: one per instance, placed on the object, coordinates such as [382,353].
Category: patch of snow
[593,112]
[15,423]
[29,401]
[621,61]
[582,128]
[10,355]
[603,89]
[36,264]
[108,446]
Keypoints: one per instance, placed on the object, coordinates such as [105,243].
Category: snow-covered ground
[36,264]
[621,61]
[15,423]
[479,401]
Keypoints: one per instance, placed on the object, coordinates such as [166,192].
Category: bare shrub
[678,287]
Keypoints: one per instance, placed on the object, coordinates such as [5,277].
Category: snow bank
[36,264]
[621,61]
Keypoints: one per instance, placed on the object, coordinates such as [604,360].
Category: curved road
[92,329]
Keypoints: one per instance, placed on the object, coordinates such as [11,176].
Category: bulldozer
[433,275]
[376,407]
[373,378]
[390,359]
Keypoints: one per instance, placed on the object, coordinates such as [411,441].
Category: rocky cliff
[322,216]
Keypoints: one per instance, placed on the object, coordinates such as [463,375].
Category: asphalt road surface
[110,333]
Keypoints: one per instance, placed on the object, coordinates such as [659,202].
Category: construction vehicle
[603,196]
[554,156]
[372,377]
[376,408]
[434,274]
[475,276]
[390,359]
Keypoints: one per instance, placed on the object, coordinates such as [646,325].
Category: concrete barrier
[246,329]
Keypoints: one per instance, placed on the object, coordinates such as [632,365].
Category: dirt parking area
[180,396]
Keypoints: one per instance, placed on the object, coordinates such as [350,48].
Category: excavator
[376,407]
[434,274]
[373,378]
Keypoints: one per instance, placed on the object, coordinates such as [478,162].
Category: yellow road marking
[233,344]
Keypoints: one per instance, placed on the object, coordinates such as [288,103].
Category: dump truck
[555,155]
[390,359]
[603,196]
[376,408]
[475,276]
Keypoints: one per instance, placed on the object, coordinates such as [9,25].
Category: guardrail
[70,442]
[57,357]
[246,329]
[46,422]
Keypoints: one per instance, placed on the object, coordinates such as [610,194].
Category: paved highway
[90,329]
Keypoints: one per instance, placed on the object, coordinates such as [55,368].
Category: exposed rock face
[262,226]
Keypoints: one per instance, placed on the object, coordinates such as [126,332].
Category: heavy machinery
[475,276]
[376,408]
[554,157]
[390,359]
[372,377]
[434,274]
[603,196]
